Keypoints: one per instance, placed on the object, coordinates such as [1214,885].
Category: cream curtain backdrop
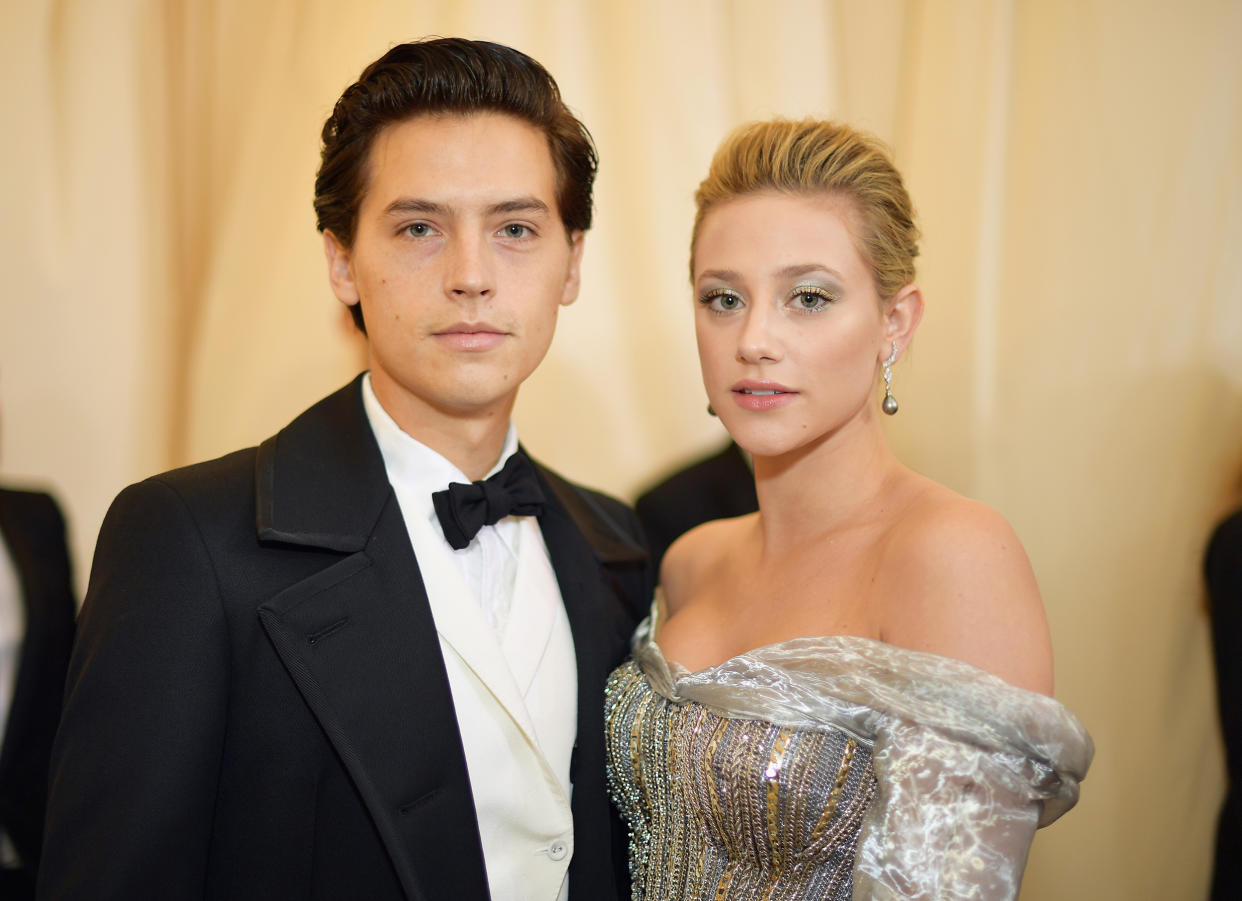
[1077,165]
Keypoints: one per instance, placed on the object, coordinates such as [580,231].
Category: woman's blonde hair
[815,156]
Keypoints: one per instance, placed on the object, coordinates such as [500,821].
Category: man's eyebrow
[519,205]
[407,205]
[414,205]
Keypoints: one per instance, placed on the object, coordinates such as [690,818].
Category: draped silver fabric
[965,765]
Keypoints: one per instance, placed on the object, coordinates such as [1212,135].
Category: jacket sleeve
[135,761]
[642,584]
[34,712]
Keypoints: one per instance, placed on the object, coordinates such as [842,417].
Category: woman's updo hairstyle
[815,156]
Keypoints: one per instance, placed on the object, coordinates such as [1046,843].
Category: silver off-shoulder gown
[833,768]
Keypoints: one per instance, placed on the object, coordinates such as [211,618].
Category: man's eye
[418,229]
[515,230]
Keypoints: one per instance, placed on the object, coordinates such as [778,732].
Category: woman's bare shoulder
[697,554]
[957,582]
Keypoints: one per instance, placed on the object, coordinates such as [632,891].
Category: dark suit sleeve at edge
[135,761]
[650,569]
[638,585]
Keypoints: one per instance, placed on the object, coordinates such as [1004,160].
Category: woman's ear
[902,315]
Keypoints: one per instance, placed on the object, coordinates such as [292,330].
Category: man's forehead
[483,158]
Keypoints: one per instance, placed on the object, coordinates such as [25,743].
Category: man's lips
[471,336]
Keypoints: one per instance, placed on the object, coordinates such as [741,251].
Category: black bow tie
[464,509]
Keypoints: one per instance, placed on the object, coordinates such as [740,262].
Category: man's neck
[470,440]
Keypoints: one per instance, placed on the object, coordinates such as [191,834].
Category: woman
[845,695]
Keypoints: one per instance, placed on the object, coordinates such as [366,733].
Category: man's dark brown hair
[447,75]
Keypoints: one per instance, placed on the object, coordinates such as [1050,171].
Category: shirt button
[558,850]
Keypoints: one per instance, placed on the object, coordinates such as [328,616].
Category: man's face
[460,262]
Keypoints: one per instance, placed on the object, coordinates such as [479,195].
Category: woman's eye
[811,301]
[722,302]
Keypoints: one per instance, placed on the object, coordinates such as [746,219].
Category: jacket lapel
[359,641]
[463,626]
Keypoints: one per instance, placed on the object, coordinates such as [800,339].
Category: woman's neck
[836,483]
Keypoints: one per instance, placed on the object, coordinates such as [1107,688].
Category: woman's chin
[768,442]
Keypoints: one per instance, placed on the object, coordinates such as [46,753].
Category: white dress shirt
[509,654]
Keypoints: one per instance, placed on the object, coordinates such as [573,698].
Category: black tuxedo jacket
[257,707]
[34,533]
[1222,569]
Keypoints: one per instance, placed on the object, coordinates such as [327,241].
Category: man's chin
[476,404]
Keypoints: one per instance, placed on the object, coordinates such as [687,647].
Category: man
[36,631]
[299,674]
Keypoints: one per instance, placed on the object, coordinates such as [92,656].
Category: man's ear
[573,278]
[340,270]
[902,316]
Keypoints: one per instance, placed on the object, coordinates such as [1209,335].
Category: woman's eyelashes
[719,300]
[812,298]
[802,299]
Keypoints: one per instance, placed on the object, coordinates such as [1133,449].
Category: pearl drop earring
[889,404]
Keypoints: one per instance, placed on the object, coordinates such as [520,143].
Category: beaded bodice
[732,808]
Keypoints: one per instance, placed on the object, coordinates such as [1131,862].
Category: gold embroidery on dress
[728,808]
[772,776]
[838,786]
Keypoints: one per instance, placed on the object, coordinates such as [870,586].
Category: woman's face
[790,327]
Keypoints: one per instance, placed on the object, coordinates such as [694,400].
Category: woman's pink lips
[471,337]
[761,395]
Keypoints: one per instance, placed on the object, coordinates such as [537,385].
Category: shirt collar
[412,467]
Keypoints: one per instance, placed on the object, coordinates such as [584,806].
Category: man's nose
[468,268]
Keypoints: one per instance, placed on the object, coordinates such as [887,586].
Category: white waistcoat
[515,694]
